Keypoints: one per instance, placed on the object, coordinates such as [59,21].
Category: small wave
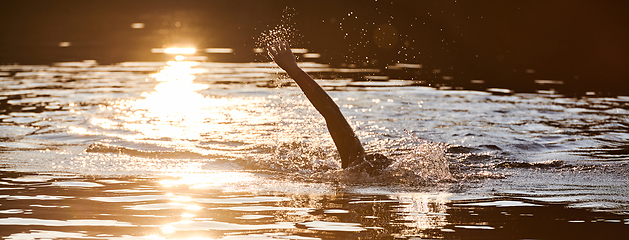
[104,148]
[480,148]
[545,164]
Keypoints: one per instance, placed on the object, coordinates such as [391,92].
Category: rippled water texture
[235,151]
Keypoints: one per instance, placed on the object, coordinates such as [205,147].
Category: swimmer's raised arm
[346,142]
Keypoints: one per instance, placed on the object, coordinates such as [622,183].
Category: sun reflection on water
[176,90]
[422,211]
[208,180]
[175,110]
[173,105]
[177,116]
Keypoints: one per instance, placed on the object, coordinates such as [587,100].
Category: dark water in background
[506,44]
[229,150]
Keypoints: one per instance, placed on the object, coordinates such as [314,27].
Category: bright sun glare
[179,50]
[179,116]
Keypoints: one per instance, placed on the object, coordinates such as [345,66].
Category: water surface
[234,150]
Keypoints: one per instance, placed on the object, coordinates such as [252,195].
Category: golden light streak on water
[179,50]
[168,229]
[173,110]
[219,50]
[423,210]
[177,117]
[201,181]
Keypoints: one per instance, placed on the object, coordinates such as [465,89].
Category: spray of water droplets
[415,162]
[285,31]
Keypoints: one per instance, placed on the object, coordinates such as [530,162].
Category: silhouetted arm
[346,142]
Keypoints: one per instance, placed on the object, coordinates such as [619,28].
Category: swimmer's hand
[282,55]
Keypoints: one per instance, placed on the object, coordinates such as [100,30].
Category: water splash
[417,162]
[426,163]
[285,31]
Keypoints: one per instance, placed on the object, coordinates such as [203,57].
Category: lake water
[202,150]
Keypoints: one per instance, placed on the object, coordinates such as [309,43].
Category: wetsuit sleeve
[343,135]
